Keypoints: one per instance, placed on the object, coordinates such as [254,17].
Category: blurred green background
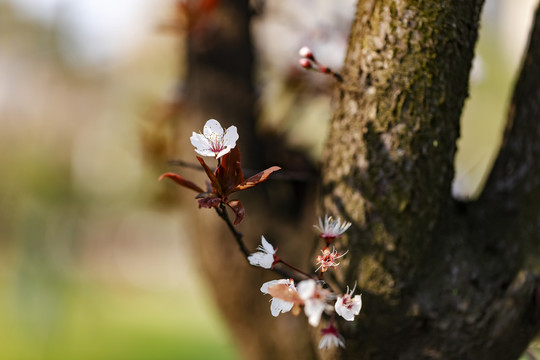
[92,266]
[93,263]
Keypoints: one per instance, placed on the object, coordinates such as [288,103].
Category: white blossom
[332,228]
[265,256]
[328,259]
[214,141]
[277,305]
[347,306]
[331,338]
[314,297]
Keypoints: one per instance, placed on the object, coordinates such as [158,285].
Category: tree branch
[516,172]
[508,209]
[239,238]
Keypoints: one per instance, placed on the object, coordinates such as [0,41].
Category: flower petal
[223,152]
[266,285]
[212,128]
[199,141]
[230,137]
[279,306]
[267,246]
[285,292]
[205,152]
[261,259]
[306,288]
[314,310]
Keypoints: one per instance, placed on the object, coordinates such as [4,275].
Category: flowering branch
[288,294]
[308,62]
[239,237]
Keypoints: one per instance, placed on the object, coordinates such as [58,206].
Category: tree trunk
[219,84]
[441,279]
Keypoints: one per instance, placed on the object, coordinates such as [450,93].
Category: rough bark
[441,280]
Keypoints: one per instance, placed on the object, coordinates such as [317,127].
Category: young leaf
[181,181]
[229,173]
[211,176]
[238,209]
[255,179]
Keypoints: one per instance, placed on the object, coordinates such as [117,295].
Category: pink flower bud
[305,52]
[305,63]
[324,69]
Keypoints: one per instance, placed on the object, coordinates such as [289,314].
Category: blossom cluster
[312,294]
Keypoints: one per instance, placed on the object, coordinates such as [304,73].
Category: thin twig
[185,164]
[238,236]
[222,212]
[297,269]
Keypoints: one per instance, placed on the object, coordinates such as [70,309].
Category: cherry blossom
[332,228]
[331,338]
[278,304]
[214,141]
[347,306]
[265,257]
[328,259]
[314,297]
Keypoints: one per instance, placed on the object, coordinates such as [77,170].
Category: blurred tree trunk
[440,279]
[219,84]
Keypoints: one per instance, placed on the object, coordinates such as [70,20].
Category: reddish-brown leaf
[238,209]
[181,181]
[229,173]
[208,200]
[255,179]
[211,176]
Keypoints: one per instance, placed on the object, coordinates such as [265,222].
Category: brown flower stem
[238,236]
[185,164]
[336,75]
[222,212]
[297,269]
